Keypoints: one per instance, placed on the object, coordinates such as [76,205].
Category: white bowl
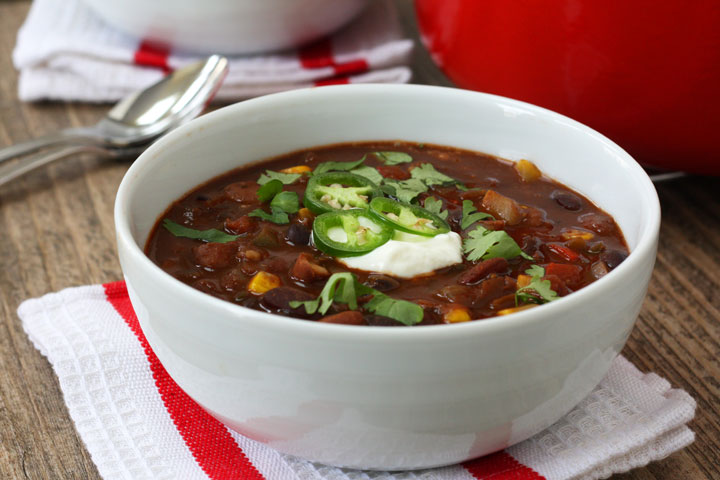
[372,397]
[228,26]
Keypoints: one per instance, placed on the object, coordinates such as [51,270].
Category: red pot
[645,73]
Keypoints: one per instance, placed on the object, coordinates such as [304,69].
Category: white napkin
[138,424]
[65,51]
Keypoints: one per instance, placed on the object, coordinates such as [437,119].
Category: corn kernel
[508,311]
[527,170]
[297,169]
[573,233]
[523,280]
[305,214]
[456,315]
[262,282]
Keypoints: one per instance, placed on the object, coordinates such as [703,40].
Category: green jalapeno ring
[407,218]
[349,195]
[359,239]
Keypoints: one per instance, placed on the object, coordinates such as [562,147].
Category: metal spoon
[134,121]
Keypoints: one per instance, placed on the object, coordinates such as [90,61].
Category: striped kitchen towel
[64,51]
[137,423]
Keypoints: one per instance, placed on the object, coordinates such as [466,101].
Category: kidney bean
[215,255]
[506,301]
[457,293]
[488,289]
[567,200]
[241,225]
[481,270]
[350,317]
[298,234]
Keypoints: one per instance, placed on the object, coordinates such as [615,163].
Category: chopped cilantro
[285,178]
[393,158]
[267,191]
[484,244]
[427,174]
[345,288]
[340,287]
[276,216]
[434,205]
[368,172]
[337,166]
[407,313]
[286,201]
[404,190]
[538,290]
[470,214]
[282,203]
[211,235]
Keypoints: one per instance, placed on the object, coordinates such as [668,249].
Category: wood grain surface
[56,231]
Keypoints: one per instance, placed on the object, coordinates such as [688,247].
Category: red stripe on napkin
[319,55]
[152,55]
[500,466]
[215,451]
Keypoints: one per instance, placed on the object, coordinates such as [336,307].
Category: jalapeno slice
[349,233]
[333,191]
[407,218]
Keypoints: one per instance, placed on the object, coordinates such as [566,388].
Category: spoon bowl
[132,124]
[143,115]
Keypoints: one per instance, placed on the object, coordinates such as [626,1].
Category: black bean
[567,200]
[298,234]
[613,258]
[380,321]
[278,300]
[381,282]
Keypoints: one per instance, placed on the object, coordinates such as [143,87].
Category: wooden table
[57,232]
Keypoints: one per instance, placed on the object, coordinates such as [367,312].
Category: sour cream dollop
[407,255]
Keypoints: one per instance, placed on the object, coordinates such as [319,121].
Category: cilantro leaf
[538,290]
[368,172]
[345,288]
[267,191]
[276,216]
[405,312]
[288,202]
[337,166]
[285,178]
[393,158]
[211,235]
[434,205]
[340,287]
[427,174]
[404,190]
[470,214]
[484,244]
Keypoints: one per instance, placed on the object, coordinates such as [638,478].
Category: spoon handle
[63,137]
[10,170]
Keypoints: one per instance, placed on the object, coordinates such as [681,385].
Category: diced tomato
[394,172]
[563,252]
[570,274]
